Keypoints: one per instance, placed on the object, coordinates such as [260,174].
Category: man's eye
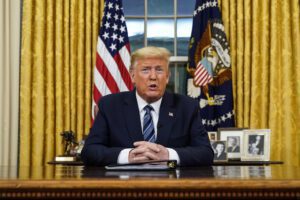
[145,70]
[159,70]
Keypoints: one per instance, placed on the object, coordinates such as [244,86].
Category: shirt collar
[142,103]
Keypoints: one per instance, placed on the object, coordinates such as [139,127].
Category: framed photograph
[212,136]
[220,152]
[256,145]
[234,139]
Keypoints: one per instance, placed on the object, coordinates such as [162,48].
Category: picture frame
[219,147]
[234,138]
[212,135]
[256,145]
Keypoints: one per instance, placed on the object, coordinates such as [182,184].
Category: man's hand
[146,151]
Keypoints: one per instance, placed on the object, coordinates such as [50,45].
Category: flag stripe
[101,83]
[124,72]
[108,80]
[201,76]
[125,55]
[200,73]
[108,60]
[97,94]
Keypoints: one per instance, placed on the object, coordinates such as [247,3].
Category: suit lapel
[132,115]
[166,119]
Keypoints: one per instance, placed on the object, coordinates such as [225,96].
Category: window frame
[176,61]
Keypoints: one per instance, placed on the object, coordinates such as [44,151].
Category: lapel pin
[171,114]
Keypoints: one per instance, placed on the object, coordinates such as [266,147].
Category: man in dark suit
[233,145]
[148,123]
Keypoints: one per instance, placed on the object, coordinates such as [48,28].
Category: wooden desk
[77,182]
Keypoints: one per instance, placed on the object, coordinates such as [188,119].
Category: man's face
[150,76]
[258,138]
[231,142]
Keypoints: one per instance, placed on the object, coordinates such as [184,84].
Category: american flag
[201,76]
[111,72]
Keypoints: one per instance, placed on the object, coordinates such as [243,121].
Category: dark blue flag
[209,67]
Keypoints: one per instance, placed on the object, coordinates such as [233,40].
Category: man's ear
[131,72]
[169,75]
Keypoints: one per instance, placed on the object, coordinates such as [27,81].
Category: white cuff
[123,156]
[173,155]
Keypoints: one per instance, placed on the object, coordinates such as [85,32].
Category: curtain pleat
[264,39]
[25,84]
[57,58]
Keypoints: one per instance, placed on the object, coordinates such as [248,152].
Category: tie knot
[148,108]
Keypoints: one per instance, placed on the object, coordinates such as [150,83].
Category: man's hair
[150,52]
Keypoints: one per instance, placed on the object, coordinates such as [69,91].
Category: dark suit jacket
[117,126]
[230,149]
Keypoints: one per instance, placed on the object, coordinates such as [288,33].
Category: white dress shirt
[123,156]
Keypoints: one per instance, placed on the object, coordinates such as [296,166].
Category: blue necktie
[148,126]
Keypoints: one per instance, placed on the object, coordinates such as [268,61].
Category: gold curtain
[59,40]
[58,53]
[265,50]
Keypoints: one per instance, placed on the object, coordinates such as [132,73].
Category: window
[166,23]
